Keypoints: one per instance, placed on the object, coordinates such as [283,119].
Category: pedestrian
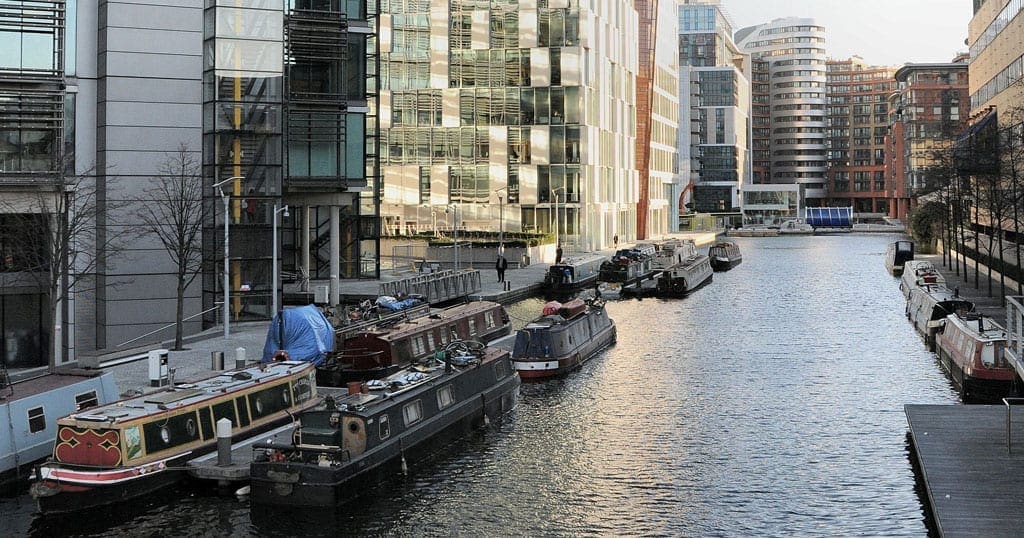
[558,254]
[615,240]
[500,265]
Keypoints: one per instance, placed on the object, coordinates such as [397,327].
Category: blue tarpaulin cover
[830,217]
[307,335]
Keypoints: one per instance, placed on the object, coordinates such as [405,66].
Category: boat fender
[405,467]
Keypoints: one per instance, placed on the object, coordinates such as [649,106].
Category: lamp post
[227,221]
[554,194]
[455,230]
[501,219]
[284,212]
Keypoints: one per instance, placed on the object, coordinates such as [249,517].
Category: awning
[830,217]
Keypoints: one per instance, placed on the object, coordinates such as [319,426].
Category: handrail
[1009,403]
[169,326]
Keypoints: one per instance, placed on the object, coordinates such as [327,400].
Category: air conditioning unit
[321,293]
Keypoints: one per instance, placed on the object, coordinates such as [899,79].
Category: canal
[768,403]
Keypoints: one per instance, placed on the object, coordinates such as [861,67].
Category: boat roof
[417,325]
[48,382]
[188,393]
[368,404]
[969,324]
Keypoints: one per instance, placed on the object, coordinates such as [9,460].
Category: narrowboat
[970,348]
[29,411]
[672,251]
[629,265]
[929,305]
[563,338]
[353,441]
[917,273]
[897,254]
[383,349]
[129,448]
[685,277]
[573,274]
[724,255]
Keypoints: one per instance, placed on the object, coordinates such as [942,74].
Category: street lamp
[283,211]
[501,218]
[554,195]
[227,221]
[455,230]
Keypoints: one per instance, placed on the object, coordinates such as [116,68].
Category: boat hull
[82,492]
[724,264]
[308,485]
[988,386]
[547,367]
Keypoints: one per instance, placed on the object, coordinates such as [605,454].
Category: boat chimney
[354,387]
[981,324]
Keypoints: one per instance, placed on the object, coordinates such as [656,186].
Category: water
[768,403]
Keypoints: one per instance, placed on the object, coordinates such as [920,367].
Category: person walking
[558,254]
[500,265]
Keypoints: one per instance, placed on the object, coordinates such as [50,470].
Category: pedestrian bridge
[437,287]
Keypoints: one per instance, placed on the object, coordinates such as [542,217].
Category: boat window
[445,397]
[36,420]
[412,412]
[532,344]
[472,327]
[501,369]
[417,346]
[489,319]
[86,400]
[443,336]
[384,427]
[430,341]
[167,432]
[988,357]
[454,332]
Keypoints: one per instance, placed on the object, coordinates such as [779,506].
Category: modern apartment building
[858,119]
[926,113]
[271,101]
[788,82]
[715,101]
[521,109]
[996,57]
[657,117]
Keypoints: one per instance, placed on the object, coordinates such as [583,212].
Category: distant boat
[685,277]
[563,338]
[970,347]
[897,254]
[573,274]
[353,441]
[917,273]
[629,265]
[29,411]
[382,349]
[724,255]
[929,305]
[129,448]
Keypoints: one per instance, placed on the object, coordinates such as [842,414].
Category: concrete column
[335,254]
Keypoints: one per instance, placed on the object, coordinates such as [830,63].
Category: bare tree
[172,210]
[60,237]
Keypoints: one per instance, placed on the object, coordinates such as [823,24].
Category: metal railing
[1009,403]
[436,287]
[150,333]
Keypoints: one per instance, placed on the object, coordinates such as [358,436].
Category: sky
[883,32]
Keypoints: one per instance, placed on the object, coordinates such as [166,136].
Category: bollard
[240,357]
[216,360]
[224,442]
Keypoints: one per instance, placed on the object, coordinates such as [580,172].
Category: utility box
[158,367]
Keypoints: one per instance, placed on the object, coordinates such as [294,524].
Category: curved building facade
[792,51]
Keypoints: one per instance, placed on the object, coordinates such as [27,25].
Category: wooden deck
[973,485]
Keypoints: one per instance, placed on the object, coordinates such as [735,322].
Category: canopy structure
[305,334]
[830,217]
